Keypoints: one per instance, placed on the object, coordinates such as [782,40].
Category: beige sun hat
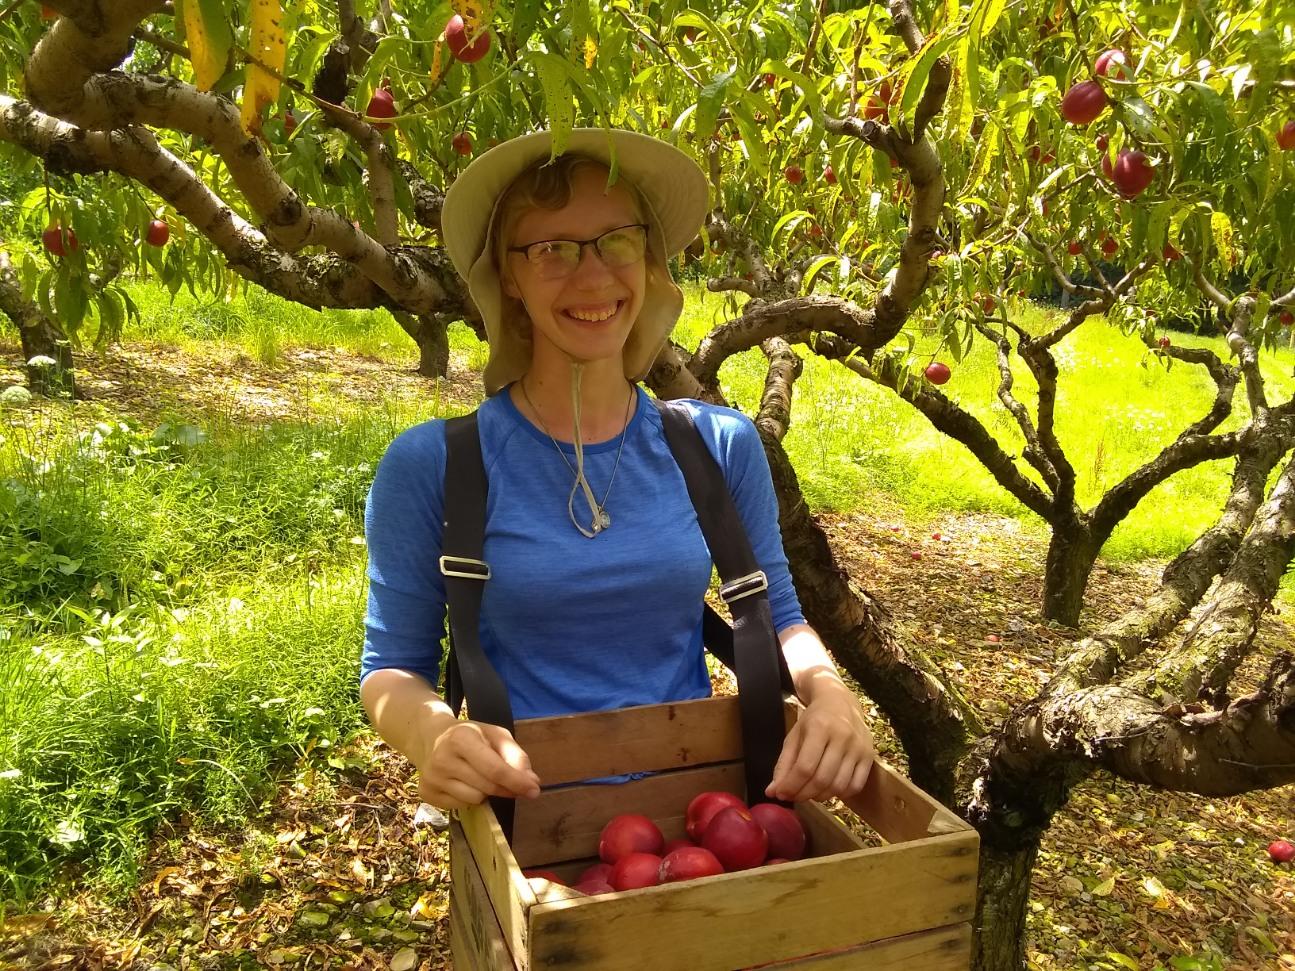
[671,183]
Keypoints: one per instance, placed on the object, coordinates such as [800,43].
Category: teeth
[592,318]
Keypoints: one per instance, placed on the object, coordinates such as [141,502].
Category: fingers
[472,761]
[515,773]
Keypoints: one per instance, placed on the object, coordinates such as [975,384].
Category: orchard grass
[181,606]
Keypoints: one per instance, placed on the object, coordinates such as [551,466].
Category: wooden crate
[906,904]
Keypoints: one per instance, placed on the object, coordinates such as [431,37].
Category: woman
[598,564]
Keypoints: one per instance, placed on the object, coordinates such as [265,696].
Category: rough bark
[1072,552]
[41,337]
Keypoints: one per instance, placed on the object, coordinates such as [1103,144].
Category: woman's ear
[509,286]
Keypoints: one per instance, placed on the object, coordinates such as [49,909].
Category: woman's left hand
[828,752]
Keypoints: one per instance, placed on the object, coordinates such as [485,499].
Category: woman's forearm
[811,667]
[405,711]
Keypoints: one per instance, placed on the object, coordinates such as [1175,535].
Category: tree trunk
[41,338]
[434,352]
[1072,551]
[933,721]
[1002,897]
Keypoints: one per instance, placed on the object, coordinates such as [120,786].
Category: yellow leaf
[471,11]
[437,65]
[209,37]
[1153,887]
[591,51]
[1104,888]
[361,872]
[268,48]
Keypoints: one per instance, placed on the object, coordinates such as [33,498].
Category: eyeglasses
[555,258]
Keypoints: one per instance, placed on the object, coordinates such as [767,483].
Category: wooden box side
[943,949]
[647,738]
[738,920]
[476,940]
[508,894]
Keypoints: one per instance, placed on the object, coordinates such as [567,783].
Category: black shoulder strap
[759,664]
[465,573]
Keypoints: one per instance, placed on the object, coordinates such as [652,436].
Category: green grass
[180,607]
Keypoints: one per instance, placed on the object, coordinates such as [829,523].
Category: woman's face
[588,314]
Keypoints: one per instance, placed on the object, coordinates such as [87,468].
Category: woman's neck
[544,397]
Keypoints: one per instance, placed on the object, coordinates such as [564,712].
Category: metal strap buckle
[462,566]
[756,582]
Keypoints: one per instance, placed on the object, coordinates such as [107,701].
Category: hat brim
[672,184]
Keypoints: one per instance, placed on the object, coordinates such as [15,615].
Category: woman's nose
[591,268]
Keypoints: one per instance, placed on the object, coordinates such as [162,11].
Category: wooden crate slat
[943,949]
[733,921]
[899,811]
[508,893]
[476,940]
[647,738]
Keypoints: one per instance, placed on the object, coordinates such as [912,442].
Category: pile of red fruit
[724,835]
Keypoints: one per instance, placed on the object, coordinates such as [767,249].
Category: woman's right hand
[469,761]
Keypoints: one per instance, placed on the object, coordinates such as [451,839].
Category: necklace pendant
[602,520]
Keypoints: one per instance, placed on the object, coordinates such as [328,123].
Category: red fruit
[937,372]
[775,860]
[592,887]
[636,870]
[381,105]
[936,537]
[1169,253]
[795,174]
[992,638]
[1281,851]
[829,176]
[1108,167]
[816,230]
[1109,246]
[1133,173]
[1165,342]
[1111,64]
[1074,249]
[1083,103]
[289,122]
[1102,143]
[462,143]
[158,233]
[784,829]
[456,38]
[626,834]
[47,12]
[736,839]
[1286,137]
[987,304]
[548,875]
[599,871]
[675,844]
[689,863]
[770,80]
[703,807]
[916,554]
[53,240]
[1286,319]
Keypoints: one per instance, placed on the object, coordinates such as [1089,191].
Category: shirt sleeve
[404,624]
[746,469]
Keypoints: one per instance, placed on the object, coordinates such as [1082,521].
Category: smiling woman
[597,566]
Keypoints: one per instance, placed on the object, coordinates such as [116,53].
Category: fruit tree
[880,173]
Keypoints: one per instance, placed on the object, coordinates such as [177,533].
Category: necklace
[601,518]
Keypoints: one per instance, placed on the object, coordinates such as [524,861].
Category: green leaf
[710,102]
[1123,960]
[526,15]
[912,77]
[817,264]
[555,82]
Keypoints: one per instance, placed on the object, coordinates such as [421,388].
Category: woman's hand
[828,752]
[469,761]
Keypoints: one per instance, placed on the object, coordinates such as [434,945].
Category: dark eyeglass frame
[525,250]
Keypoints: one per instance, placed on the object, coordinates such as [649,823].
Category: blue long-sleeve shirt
[572,624]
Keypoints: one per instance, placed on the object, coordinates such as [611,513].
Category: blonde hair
[548,185]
